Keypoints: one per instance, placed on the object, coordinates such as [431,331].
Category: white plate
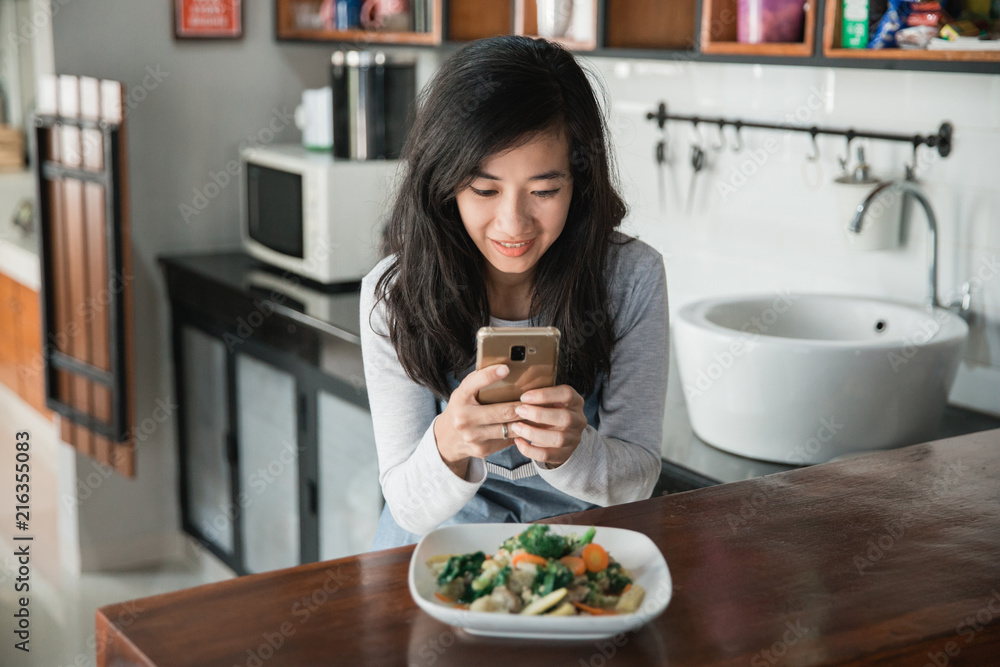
[633,550]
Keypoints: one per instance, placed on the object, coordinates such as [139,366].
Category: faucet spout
[902,188]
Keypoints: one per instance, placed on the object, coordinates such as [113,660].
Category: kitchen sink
[804,378]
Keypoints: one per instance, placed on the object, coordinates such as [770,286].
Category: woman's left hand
[553,424]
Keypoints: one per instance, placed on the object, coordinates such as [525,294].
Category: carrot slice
[575,565]
[525,557]
[596,611]
[595,557]
[444,598]
[627,586]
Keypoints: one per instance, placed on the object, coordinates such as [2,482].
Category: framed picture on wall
[208,19]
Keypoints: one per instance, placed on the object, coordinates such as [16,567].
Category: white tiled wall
[782,228]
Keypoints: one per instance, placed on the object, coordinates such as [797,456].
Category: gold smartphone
[531,354]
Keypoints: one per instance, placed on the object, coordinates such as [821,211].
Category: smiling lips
[512,250]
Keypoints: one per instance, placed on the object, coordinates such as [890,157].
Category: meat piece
[577,593]
[504,599]
[520,580]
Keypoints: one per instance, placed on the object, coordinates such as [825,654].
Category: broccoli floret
[596,599]
[502,576]
[617,579]
[552,577]
[540,541]
[512,543]
[459,566]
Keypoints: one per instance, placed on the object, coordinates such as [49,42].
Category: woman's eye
[483,193]
[547,193]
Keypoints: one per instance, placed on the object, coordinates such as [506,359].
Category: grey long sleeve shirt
[617,461]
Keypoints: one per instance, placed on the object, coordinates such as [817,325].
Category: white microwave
[312,214]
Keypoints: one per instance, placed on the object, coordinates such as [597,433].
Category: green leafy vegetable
[617,579]
[502,576]
[481,585]
[538,540]
[459,566]
[587,538]
[552,577]
[596,599]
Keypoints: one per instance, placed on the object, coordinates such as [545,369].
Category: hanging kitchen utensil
[738,144]
[697,164]
[721,146]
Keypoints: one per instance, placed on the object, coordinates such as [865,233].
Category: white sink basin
[806,378]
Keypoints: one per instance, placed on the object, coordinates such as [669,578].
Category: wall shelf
[298,20]
[832,39]
[679,30]
[718,33]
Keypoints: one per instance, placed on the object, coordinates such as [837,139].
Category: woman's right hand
[468,428]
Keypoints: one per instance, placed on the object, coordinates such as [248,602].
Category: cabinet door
[350,499]
[268,465]
[205,399]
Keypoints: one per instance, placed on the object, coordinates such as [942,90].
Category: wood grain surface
[885,559]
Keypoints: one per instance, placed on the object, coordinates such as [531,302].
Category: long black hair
[489,96]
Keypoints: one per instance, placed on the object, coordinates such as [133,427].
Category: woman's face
[516,206]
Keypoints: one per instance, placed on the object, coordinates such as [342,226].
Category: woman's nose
[513,214]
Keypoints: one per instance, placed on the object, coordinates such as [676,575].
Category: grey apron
[500,499]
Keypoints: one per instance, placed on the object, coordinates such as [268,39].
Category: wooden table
[887,559]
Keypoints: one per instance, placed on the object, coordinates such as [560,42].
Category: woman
[506,216]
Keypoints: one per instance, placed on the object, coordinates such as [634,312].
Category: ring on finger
[505,433]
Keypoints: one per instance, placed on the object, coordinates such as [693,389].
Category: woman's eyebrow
[546,176]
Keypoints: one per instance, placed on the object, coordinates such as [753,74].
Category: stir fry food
[538,572]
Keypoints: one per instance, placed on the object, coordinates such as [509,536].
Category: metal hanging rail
[941,141]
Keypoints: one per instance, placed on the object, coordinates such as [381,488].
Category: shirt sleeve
[419,488]
[619,461]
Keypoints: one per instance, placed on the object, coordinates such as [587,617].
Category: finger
[486,447]
[537,436]
[541,454]
[498,413]
[491,433]
[484,377]
[560,418]
[562,394]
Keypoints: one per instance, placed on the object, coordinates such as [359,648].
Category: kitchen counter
[215,281]
[889,558]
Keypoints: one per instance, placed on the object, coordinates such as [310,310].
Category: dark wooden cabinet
[277,451]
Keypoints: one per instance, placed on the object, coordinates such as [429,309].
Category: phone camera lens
[517,353]
[532,350]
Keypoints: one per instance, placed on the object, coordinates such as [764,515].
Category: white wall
[780,228]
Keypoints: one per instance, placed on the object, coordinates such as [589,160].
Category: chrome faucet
[907,187]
